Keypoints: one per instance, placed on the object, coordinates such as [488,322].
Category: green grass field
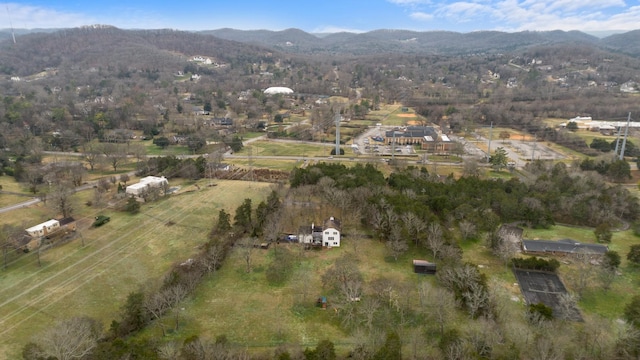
[288,148]
[248,311]
[128,253]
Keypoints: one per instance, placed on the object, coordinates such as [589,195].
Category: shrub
[535,263]
[540,311]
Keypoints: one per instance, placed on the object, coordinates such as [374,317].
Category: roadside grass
[9,183]
[126,254]
[155,150]
[273,164]
[285,148]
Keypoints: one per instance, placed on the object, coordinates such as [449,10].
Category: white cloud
[422,16]
[29,17]
[463,11]
[409,2]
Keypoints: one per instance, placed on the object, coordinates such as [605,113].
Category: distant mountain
[402,41]
[627,43]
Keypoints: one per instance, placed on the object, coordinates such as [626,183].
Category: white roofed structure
[145,183]
[278,90]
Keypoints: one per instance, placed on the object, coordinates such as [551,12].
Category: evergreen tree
[243,219]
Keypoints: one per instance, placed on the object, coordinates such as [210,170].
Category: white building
[278,90]
[331,233]
[145,184]
[44,229]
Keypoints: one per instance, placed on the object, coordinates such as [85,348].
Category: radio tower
[13,35]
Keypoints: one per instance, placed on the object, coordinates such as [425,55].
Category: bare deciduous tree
[415,226]
[435,240]
[396,244]
[74,338]
[60,198]
[248,244]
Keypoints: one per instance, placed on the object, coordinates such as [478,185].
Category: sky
[590,16]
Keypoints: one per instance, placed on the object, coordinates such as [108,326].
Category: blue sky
[592,16]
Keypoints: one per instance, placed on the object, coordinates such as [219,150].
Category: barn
[424,267]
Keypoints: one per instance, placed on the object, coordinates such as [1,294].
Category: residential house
[145,184]
[327,235]
[310,235]
[44,228]
[331,233]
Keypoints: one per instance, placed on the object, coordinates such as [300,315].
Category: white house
[331,233]
[44,229]
[146,183]
[327,235]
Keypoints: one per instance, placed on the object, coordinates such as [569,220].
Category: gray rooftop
[568,246]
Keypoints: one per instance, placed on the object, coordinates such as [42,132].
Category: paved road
[19,205]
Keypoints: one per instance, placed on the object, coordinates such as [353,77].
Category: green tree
[619,171]
[611,260]
[391,349]
[572,126]
[134,316]
[242,219]
[224,222]
[600,144]
[236,144]
[325,350]
[133,206]
[161,142]
[278,118]
[540,311]
[603,233]
[499,158]
[634,254]
[632,311]
[207,106]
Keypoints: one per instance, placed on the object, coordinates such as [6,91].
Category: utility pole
[337,120]
[626,133]
[250,162]
[489,147]
[533,148]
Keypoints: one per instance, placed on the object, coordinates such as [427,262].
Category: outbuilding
[424,267]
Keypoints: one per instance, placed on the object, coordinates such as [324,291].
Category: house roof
[568,246]
[413,132]
[67,220]
[46,223]
[278,90]
[422,263]
[332,223]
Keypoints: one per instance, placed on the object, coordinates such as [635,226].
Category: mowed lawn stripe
[136,254]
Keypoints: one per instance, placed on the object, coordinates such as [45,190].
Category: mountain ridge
[379,41]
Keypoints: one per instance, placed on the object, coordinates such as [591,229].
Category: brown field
[407,115]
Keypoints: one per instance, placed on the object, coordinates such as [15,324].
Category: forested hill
[106,46]
[428,42]
[296,41]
